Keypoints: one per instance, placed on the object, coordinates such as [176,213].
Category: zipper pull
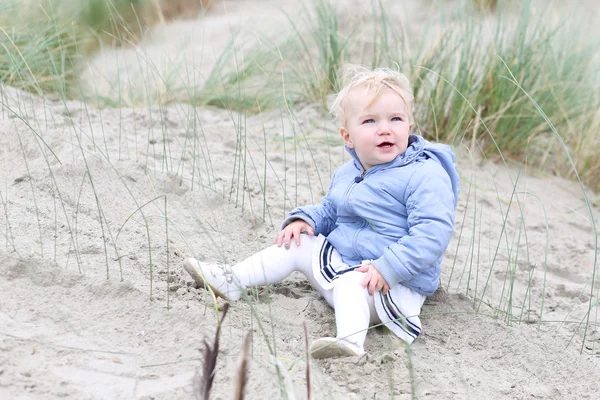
[360,178]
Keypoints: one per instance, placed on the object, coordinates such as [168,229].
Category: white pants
[354,307]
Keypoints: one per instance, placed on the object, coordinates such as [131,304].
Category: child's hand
[373,279]
[293,230]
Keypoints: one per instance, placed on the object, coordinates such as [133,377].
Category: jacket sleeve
[430,204]
[322,217]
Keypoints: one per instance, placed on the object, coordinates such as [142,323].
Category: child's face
[377,130]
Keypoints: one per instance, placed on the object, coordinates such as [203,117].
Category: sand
[94,302]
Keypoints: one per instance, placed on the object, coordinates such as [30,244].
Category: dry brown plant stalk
[210,361]
[243,370]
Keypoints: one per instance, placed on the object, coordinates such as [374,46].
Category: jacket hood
[444,156]
[417,146]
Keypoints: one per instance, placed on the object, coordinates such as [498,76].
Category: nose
[383,128]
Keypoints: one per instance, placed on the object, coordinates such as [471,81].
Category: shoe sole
[331,349]
[191,269]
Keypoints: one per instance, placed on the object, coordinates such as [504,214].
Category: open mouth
[385,145]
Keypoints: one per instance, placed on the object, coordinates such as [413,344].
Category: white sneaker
[219,278]
[329,347]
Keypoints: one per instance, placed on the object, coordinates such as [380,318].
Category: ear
[346,136]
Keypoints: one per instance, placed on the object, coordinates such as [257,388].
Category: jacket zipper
[357,179]
[360,178]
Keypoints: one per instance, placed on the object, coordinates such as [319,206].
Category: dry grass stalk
[210,361]
[307,361]
[243,370]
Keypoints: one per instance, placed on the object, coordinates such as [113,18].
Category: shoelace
[228,273]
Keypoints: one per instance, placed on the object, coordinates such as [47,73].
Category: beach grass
[554,59]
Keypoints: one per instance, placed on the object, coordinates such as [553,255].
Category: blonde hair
[375,79]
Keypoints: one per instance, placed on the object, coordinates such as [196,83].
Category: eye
[398,119]
[368,121]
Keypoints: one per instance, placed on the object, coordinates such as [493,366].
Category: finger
[380,282]
[293,233]
[365,280]
[296,234]
[362,268]
[372,283]
[287,237]
[310,230]
[386,288]
[279,238]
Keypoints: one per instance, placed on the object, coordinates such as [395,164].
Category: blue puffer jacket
[399,214]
